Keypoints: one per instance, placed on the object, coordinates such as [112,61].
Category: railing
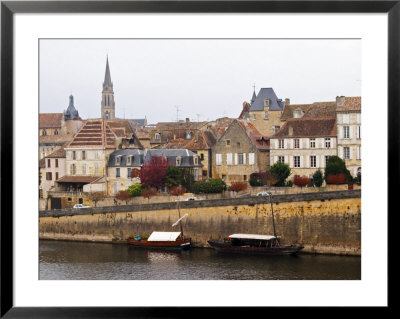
[66,193]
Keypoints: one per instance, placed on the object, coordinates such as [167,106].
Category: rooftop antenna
[198,117]
[177,112]
[254,86]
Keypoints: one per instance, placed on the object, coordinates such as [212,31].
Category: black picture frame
[9,8]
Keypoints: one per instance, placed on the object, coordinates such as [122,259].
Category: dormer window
[118,160]
[297,113]
[178,161]
[196,160]
[129,160]
[266,116]
[266,102]
[157,136]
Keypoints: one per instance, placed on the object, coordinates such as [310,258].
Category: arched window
[44,132]
[107,115]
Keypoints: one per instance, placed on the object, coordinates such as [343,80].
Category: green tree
[135,190]
[336,166]
[209,186]
[281,171]
[173,177]
[318,178]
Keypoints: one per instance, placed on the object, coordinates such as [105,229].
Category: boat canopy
[252,236]
[163,236]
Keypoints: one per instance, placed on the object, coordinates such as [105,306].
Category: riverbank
[324,223]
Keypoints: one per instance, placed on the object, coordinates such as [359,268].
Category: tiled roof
[50,120]
[202,140]
[288,110]
[350,104]
[321,109]
[78,179]
[308,127]
[54,139]
[60,153]
[259,140]
[171,155]
[178,143]
[245,110]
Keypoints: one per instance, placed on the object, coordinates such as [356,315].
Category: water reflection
[80,261]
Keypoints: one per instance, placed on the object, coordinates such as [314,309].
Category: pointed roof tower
[107,85]
[71,112]
[253,97]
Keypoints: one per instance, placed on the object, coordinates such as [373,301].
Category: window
[276,128]
[241,159]
[281,159]
[328,143]
[118,160]
[56,175]
[313,161]
[56,162]
[245,177]
[204,173]
[312,142]
[73,155]
[266,116]
[326,160]
[281,143]
[49,176]
[251,158]
[228,142]
[44,132]
[346,131]
[83,169]
[129,160]
[196,160]
[202,156]
[358,131]
[83,155]
[73,169]
[296,143]
[229,159]
[296,161]
[223,177]
[157,136]
[346,152]
[358,118]
[48,162]
[238,144]
[178,160]
[117,172]
[218,159]
[55,132]
[129,172]
[359,152]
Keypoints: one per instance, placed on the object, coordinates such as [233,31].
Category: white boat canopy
[252,236]
[163,236]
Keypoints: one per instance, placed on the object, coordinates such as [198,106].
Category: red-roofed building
[240,151]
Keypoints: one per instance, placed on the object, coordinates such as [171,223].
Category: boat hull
[178,244]
[224,247]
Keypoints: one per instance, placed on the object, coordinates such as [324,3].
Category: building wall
[93,157]
[45,150]
[323,222]
[50,131]
[353,141]
[116,184]
[265,126]
[47,184]
[304,151]
[237,172]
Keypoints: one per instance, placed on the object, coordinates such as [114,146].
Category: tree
[281,171]
[177,191]
[301,181]
[318,178]
[263,178]
[123,195]
[337,166]
[173,177]
[238,186]
[96,197]
[135,190]
[148,193]
[208,186]
[336,179]
[357,179]
[153,172]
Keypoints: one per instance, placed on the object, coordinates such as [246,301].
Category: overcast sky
[204,79]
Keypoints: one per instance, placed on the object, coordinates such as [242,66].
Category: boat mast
[273,219]
[180,222]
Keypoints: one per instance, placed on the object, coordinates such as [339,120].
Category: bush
[336,166]
[135,190]
[173,177]
[177,191]
[281,171]
[209,186]
[301,181]
[263,178]
[238,186]
[336,179]
[317,178]
[357,179]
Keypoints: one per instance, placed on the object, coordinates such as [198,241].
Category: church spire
[107,85]
[107,100]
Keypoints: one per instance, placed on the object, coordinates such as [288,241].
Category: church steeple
[107,101]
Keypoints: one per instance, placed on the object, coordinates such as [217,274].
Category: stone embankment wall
[325,222]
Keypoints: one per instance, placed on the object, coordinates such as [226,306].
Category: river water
[91,261]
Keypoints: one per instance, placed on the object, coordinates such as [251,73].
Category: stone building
[240,151]
[265,111]
[54,169]
[348,116]
[122,169]
[305,144]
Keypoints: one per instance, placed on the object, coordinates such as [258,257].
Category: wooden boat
[255,244]
[163,240]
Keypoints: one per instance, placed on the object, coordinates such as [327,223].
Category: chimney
[287,101]
[340,100]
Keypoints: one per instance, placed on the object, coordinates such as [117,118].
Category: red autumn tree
[301,181]
[336,179]
[148,193]
[153,172]
[238,186]
[123,195]
[177,191]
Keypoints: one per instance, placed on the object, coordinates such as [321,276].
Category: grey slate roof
[137,159]
[172,154]
[71,112]
[275,103]
[140,122]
